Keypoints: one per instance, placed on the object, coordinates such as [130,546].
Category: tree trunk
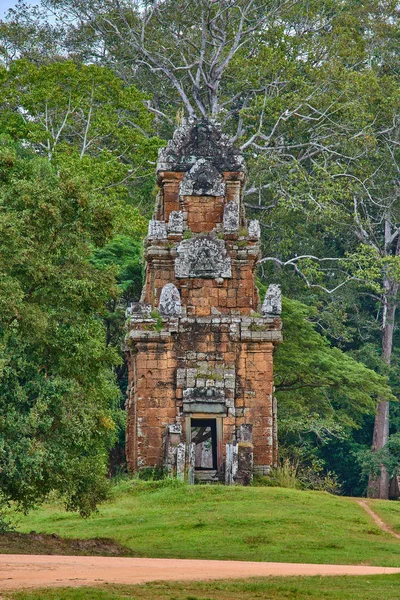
[378,487]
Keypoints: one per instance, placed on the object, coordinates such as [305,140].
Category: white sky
[6,4]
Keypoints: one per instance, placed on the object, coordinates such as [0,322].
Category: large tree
[59,403]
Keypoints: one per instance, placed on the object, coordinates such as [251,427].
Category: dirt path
[33,571]
[381,524]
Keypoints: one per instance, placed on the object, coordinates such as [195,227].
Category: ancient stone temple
[199,343]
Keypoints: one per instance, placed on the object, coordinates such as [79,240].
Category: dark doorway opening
[204,435]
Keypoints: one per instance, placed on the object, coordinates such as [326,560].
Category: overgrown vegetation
[292,476]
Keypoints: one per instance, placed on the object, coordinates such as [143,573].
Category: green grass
[389,512]
[377,587]
[236,523]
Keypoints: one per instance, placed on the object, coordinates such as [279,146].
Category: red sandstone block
[203,311]
[222,300]
[213,293]
[243,302]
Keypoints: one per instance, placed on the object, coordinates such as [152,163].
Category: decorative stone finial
[157,230]
[231,216]
[170,301]
[254,230]
[175,223]
[272,305]
[138,309]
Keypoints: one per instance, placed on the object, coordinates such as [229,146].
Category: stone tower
[199,344]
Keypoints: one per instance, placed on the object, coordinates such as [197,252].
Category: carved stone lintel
[272,305]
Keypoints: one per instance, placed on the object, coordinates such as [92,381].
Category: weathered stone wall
[151,401]
[198,365]
[209,351]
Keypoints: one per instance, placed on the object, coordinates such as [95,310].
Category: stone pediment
[202,257]
[203,179]
[196,140]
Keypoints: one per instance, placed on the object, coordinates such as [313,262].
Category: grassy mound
[167,519]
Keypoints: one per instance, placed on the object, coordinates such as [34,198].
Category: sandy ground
[33,571]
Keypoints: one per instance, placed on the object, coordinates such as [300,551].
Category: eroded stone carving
[175,222]
[207,400]
[203,179]
[272,304]
[203,257]
[231,216]
[200,139]
[205,393]
[170,301]
[254,230]
[175,428]
[157,230]
[138,309]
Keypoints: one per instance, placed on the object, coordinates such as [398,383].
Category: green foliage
[98,134]
[295,476]
[58,397]
[320,389]
[85,120]
[389,456]
[324,397]
[158,325]
[285,476]
[151,474]
[322,168]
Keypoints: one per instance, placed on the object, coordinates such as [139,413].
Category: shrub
[291,475]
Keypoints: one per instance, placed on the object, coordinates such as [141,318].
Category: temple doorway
[204,435]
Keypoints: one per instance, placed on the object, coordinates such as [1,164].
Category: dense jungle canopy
[90,89]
